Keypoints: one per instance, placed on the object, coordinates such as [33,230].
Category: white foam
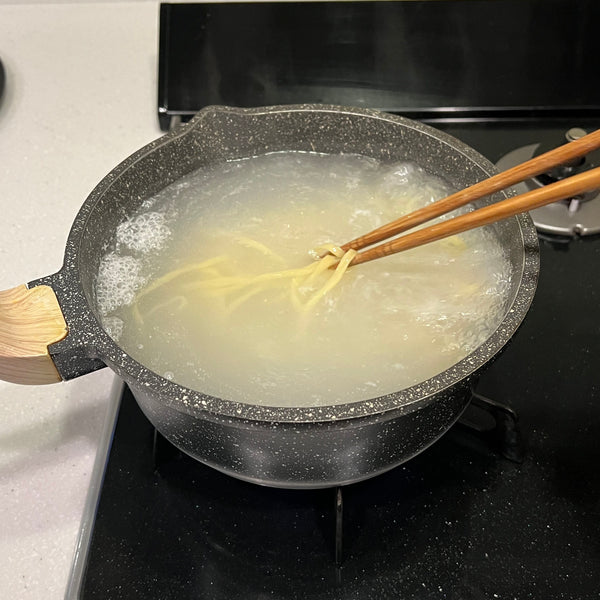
[113,326]
[118,280]
[143,233]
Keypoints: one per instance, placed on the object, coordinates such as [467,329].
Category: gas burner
[579,215]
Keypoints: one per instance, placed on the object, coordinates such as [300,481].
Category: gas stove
[503,506]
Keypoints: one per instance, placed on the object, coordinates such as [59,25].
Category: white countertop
[80,97]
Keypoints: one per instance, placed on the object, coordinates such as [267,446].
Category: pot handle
[30,320]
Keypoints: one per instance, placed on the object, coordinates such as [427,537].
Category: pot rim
[102,346]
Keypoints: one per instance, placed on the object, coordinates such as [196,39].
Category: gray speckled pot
[284,447]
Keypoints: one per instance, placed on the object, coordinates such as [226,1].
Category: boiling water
[389,324]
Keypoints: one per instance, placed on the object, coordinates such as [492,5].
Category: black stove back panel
[452,59]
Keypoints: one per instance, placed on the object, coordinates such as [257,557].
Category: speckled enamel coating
[284,447]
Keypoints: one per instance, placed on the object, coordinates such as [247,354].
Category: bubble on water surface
[118,280]
[143,233]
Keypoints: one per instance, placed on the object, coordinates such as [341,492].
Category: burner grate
[573,217]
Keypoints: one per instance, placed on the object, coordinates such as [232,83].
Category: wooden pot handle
[30,320]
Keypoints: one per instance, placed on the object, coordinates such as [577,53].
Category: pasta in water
[211,281]
[228,282]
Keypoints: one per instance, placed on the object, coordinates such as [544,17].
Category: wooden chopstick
[540,164]
[566,188]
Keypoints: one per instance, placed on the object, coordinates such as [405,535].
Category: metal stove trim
[88,517]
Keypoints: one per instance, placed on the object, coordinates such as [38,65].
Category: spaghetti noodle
[210,278]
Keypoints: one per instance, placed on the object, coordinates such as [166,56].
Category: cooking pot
[50,329]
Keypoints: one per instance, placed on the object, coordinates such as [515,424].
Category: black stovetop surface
[458,521]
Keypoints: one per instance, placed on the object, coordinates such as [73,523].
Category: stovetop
[460,520]
[457,521]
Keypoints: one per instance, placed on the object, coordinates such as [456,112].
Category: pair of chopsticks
[561,190]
